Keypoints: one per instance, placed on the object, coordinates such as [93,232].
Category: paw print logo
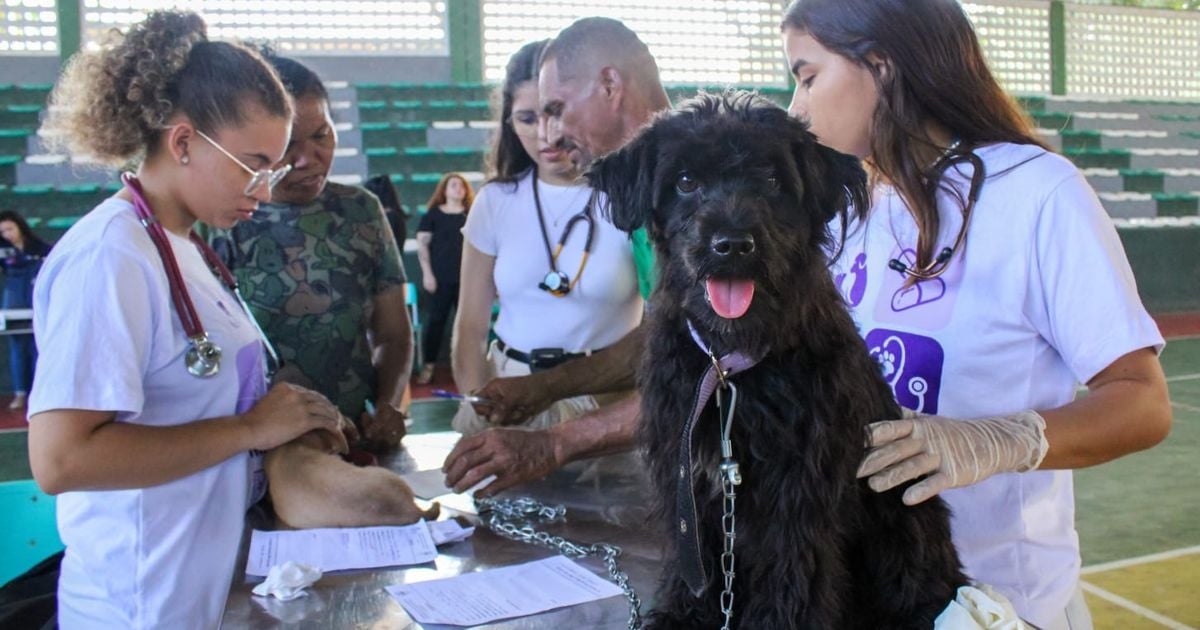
[887,362]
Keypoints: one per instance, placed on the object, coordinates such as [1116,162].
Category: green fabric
[310,275]
[643,260]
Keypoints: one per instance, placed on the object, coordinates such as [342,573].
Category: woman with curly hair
[150,408]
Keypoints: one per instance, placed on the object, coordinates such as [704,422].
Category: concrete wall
[17,69]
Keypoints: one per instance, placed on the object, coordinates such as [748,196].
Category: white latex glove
[954,453]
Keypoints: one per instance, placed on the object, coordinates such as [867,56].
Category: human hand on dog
[514,456]
[511,400]
[288,411]
[384,429]
[953,453]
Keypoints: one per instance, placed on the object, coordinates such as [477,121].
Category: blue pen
[441,393]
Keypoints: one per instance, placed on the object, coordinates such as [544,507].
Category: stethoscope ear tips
[896,265]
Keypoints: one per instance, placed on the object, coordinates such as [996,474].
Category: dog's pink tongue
[730,298]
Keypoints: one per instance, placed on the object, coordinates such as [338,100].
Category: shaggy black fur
[816,549]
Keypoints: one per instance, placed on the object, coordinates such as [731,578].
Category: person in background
[534,205]
[598,84]
[149,415]
[21,263]
[321,271]
[397,215]
[440,244]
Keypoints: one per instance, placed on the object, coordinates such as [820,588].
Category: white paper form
[340,549]
[516,591]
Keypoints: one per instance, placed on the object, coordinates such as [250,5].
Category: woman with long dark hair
[988,281]
[564,276]
[21,263]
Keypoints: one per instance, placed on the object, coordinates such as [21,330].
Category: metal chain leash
[731,477]
[515,519]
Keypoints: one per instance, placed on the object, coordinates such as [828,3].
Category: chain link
[515,519]
[730,478]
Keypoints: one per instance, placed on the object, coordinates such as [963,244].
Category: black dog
[736,196]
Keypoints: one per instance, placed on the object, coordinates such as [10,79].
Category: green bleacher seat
[1086,139]
[1099,158]
[20,116]
[1142,180]
[62,223]
[31,190]
[1052,120]
[14,141]
[8,168]
[1177,205]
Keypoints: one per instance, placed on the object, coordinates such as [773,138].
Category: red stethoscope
[203,358]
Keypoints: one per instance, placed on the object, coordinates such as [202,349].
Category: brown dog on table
[312,486]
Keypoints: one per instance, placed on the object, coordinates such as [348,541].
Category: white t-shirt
[1041,299]
[109,340]
[605,303]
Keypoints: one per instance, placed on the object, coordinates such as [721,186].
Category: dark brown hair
[936,72]
[507,160]
[22,227]
[438,197]
[111,105]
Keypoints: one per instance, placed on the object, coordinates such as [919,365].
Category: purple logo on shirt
[252,381]
[926,304]
[853,282]
[911,364]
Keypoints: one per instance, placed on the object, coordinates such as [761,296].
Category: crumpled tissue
[287,581]
[979,607]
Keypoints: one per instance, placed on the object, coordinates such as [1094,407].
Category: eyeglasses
[258,179]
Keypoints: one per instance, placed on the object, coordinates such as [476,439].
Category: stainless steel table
[605,503]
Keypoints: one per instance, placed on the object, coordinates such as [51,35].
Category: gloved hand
[954,453]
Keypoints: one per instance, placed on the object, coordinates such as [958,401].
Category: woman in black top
[397,215]
[440,240]
[21,260]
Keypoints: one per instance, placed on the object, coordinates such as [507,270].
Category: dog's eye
[686,184]
[773,182]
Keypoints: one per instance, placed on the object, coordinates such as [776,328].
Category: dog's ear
[833,182]
[626,176]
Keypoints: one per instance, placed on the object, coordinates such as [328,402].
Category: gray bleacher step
[1051,137]
[1127,205]
[449,135]
[1104,179]
[1181,180]
[1143,139]
[57,170]
[1164,158]
[355,164]
[1067,105]
[349,135]
[344,111]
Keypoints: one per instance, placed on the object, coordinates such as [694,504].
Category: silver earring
[185,159]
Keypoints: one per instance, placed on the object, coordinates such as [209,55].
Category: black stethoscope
[555,282]
[978,174]
[203,358]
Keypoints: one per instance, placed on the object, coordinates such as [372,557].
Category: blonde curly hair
[110,105]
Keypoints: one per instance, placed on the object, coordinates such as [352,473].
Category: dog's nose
[732,244]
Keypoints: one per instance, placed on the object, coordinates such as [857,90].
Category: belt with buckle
[539,358]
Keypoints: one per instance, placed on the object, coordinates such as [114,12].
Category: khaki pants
[467,422]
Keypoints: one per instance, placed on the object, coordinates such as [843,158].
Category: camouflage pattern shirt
[310,274]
